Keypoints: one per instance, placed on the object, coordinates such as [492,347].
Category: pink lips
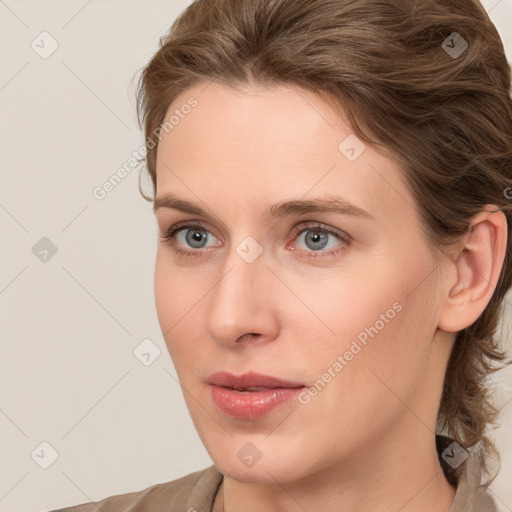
[236,396]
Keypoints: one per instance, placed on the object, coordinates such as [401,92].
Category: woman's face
[272,279]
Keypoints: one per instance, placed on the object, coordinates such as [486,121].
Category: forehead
[269,143]
[255,117]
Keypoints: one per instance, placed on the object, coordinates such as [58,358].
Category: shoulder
[196,491]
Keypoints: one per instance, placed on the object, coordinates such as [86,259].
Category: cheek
[172,300]
[383,325]
[165,292]
[357,303]
[176,290]
[180,310]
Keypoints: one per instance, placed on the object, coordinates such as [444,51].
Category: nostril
[247,336]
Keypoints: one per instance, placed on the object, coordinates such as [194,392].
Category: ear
[477,269]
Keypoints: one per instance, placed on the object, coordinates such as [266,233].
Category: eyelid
[304,225]
[186,224]
[171,232]
[313,224]
[342,236]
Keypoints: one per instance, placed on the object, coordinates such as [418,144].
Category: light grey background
[69,326]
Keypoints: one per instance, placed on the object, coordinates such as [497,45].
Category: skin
[366,442]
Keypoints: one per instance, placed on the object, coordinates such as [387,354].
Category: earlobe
[477,268]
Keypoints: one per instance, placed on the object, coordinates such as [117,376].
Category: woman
[330,186]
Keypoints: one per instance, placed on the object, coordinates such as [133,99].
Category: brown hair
[446,117]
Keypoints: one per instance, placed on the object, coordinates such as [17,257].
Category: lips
[252,395]
[250,380]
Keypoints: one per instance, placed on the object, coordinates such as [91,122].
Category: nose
[242,305]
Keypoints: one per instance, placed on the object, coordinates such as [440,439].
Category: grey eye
[316,239]
[196,238]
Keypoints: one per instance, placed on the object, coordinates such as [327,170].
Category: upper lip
[249,380]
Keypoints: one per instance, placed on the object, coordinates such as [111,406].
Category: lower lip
[251,404]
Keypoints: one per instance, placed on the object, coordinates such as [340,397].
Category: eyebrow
[326,203]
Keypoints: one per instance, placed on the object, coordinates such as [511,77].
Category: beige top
[196,492]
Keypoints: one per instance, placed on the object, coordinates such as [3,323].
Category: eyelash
[169,239]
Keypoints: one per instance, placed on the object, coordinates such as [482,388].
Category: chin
[250,459]
[260,473]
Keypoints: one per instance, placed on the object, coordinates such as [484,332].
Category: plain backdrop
[81,417]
